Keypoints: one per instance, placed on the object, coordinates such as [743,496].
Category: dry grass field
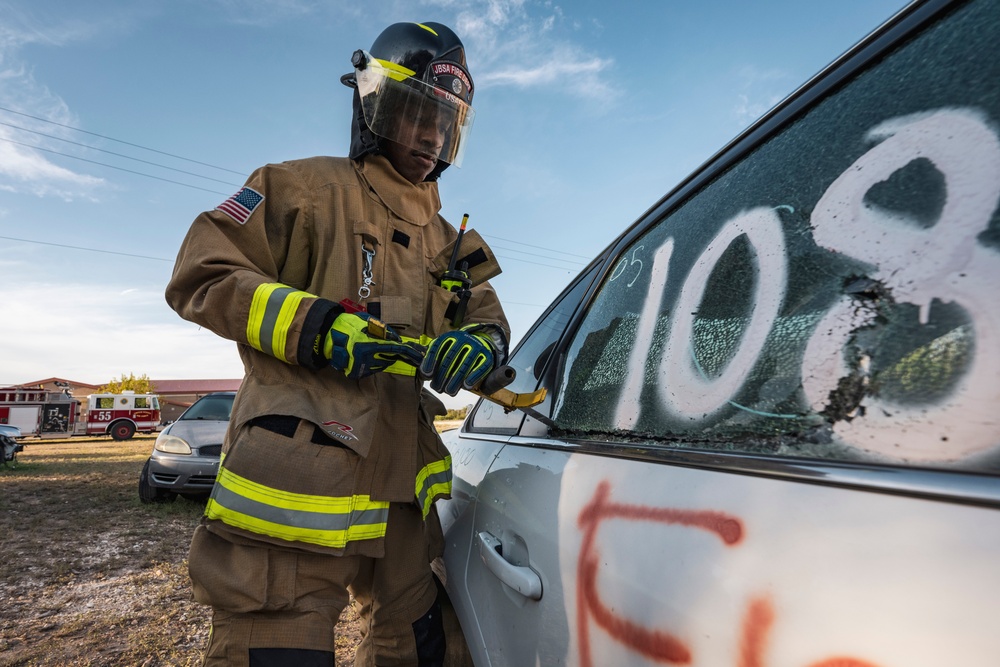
[89,576]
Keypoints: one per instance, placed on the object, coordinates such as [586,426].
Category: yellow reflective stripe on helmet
[272,312]
[428,29]
[433,481]
[395,71]
[324,520]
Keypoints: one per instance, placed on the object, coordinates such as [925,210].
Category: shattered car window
[530,358]
[833,294]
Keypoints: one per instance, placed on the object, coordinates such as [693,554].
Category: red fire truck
[121,415]
[51,413]
[38,411]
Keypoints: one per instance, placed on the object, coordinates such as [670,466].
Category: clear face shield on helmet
[424,117]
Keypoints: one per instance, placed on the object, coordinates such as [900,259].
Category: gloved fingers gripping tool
[492,387]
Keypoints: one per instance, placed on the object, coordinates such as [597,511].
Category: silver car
[771,431]
[9,446]
[185,458]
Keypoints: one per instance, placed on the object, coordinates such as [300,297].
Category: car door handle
[524,580]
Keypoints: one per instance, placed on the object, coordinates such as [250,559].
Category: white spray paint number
[944,262]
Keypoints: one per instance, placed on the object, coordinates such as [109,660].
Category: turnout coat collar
[416,204]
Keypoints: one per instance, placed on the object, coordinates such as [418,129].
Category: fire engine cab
[121,415]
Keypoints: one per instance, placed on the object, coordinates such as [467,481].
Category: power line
[127,157]
[145,148]
[162,259]
[555,259]
[530,245]
[111,166]
[73,247]
[548,266]
[518,303]
[549,252]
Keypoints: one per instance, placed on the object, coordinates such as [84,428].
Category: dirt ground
[89,576]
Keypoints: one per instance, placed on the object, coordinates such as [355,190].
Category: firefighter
[327,273]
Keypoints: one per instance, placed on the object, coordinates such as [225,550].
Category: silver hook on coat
[367,259]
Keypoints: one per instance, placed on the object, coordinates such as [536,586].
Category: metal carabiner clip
[367,259]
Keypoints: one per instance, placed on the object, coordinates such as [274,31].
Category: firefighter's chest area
[383,265]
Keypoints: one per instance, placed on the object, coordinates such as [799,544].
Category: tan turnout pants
[265,597]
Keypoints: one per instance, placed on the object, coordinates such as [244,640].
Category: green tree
[453,414]
[140,385]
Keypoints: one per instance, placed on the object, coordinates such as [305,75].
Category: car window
[832,294]
[211,407]
[530,357]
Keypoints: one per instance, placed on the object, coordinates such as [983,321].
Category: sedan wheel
[152,494]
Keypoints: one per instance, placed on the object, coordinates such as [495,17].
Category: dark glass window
[529,359]
[834,293]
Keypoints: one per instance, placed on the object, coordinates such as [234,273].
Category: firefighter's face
[425,135]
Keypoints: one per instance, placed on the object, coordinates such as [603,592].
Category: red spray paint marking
[756,628]
[659,645]
[654,644]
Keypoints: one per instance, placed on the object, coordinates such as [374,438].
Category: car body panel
[666,561]
[457,517]
[771,436]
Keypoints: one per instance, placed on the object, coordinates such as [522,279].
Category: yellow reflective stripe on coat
[433,482]
[324,520]
[272,312]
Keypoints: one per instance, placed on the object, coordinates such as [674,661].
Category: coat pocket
[291,489]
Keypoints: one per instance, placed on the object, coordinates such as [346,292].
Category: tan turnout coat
[306,234]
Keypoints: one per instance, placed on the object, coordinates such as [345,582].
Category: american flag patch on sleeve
[241,205]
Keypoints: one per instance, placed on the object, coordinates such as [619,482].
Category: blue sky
[121,121]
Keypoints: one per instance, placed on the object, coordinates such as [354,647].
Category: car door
[770,437]
[489,576]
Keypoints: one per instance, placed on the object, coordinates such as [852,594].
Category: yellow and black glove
[351,348]
[458,360]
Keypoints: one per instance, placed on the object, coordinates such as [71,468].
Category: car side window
[529,359]
[831,295]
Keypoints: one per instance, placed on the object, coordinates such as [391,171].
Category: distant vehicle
[771,435]
[122,415]
[9,446]
[38,411]
[43,412]
[185,458]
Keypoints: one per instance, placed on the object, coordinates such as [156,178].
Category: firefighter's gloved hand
[457,360]
[351,348]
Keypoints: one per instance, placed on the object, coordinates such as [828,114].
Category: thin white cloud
[515,43]
[511,43]
[28,167]
[761,90]
[113,331]
[584,73]
[22,167]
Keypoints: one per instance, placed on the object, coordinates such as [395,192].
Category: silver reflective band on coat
[412,113]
